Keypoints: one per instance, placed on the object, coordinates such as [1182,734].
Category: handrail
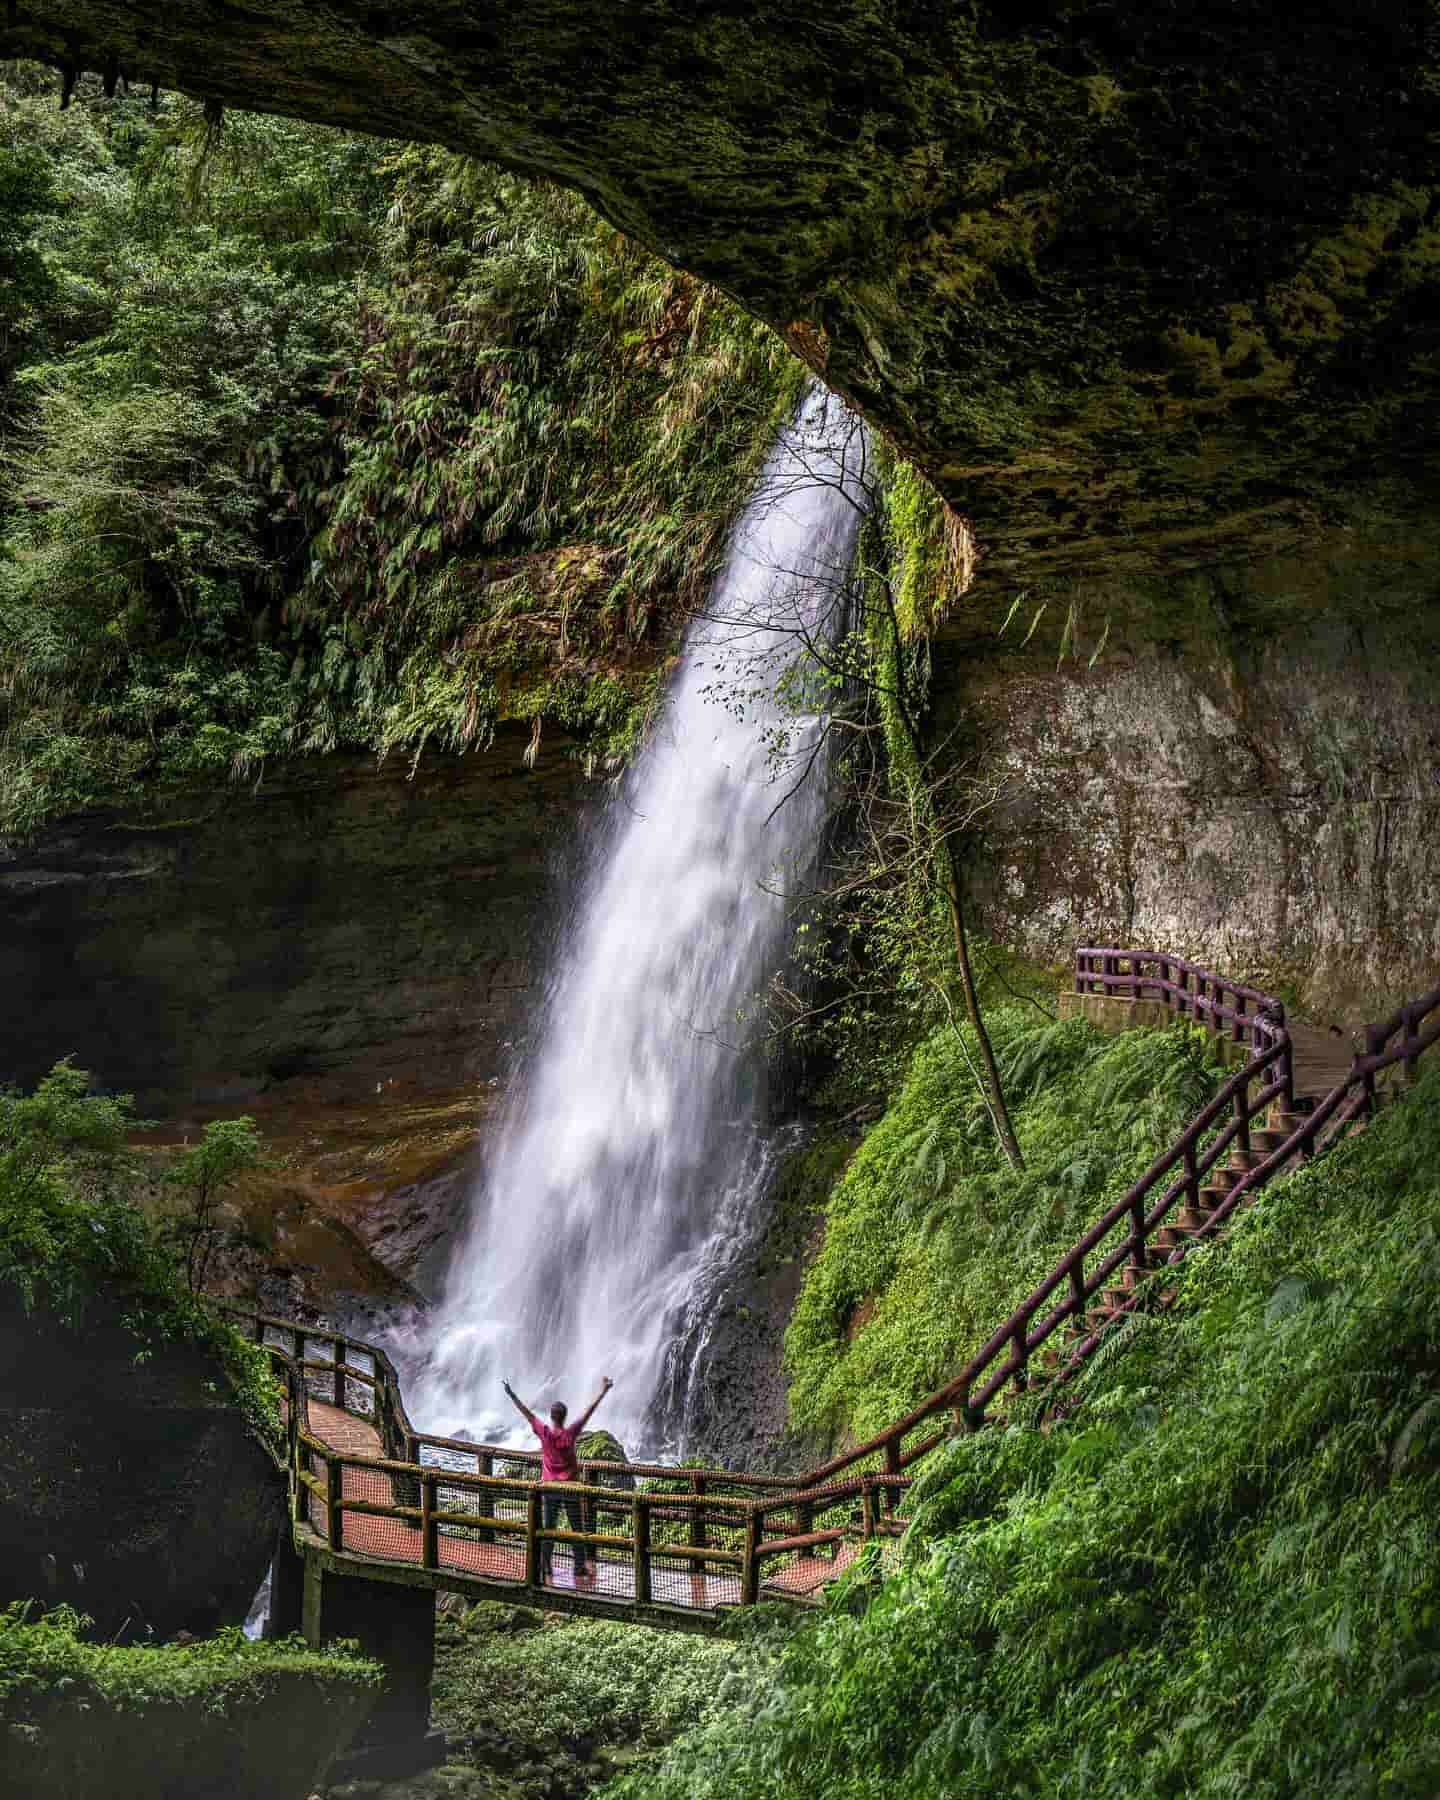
[693,1524]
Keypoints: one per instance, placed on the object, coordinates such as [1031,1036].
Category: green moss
[223,1718]
[799,1195]
[930,1238]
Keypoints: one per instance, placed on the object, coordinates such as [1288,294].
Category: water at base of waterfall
[632,1165]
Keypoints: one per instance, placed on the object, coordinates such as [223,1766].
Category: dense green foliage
[48,1655]
[936,1238]
[535,1702]
[315,444]
[1222,1577]
[70,1229]
[221,1718]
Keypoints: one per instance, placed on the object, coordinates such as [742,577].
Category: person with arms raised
[558,1462]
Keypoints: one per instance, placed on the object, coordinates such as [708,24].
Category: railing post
[1137,1235]
[485,1465]
[1410,1025]
[1373,1046]
[698,1538]
[1242,1118]
[1182,981]
[804,1517]
[1112,970]
[1077,1287]
[642,1550]
[429,1532]
[750,1567]
[532,1537]
[338,1348]
[867,1509]
[1238,1032]
[892,1467]
[1167,999]
[1192,1175]
[334,1517]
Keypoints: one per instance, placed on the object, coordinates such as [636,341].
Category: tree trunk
[994,1090]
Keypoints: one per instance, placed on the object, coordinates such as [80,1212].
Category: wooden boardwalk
[1321,1059]
[502,1560]
[680,1547]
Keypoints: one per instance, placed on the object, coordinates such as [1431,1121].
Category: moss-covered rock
[218,1720]
[131,1485]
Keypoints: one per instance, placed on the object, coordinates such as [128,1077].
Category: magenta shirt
[558,1461]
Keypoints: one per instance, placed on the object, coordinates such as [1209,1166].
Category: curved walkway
[670,1545]
[500,1557]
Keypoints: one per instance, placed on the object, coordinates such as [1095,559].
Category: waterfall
[633,1159]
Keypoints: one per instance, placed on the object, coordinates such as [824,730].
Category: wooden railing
[659,1537]
[1156,1223]
[700,1540]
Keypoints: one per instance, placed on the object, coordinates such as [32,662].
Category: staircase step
[1268,1140]
[1191,1219]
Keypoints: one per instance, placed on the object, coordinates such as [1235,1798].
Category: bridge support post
[287,1587]
[395,1625]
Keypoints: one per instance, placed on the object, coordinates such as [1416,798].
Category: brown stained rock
[341,932]
[1141,286]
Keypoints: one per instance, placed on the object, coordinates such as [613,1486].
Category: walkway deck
[1321,1058]
[503,1560]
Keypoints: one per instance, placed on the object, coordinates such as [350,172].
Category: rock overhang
[1141,286]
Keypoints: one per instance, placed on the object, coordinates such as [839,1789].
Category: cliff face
[1250,772]
[341,926]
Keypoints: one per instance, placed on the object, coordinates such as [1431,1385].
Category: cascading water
[633,1160]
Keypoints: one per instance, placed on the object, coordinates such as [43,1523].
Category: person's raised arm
[520,1405]
[584,1419]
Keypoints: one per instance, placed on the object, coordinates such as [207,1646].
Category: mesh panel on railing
[684,1582]
[360,1397]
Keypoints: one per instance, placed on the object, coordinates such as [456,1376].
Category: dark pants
[573,1506]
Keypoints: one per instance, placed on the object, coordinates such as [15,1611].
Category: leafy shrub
[328,446]
[933,1234]
[1222,1577]
[69,1230]
[222,1717]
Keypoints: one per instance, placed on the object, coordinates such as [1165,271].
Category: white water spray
[632,1162]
